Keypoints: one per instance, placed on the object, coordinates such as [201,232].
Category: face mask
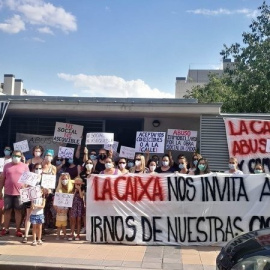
[70,161]
[48,158]
[195,162]
[7,152]
[108,165]
[201,167]
[258,171]
[64,182]
[37,154]
[130,164]
[122,166]
[16,160]
[152,168]
[102,156]
[231,166]
[182,166]
[89,166]
[58,162]
[165,163]
[138,162]
[93,157]
[38,171]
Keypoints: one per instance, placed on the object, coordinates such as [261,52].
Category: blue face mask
[258,171]
[181,166]
[195,162]
[93,157]
[130,164]
[58,162]
[70,161]
[201,167]
[7,152]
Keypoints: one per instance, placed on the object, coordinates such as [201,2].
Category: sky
[116,48]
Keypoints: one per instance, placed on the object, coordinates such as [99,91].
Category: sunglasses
[16,156]
[59,159]
[39,168]
[122,162]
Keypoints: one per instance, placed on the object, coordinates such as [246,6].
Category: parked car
[249,251]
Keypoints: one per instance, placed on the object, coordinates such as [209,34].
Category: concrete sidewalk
[63,254]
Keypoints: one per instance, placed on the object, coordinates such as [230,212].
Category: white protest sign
[48,181]
[68,133]
[21,146]
[112,147]
[65,152]
[152,142]
[29,178]
[2,163]
[63,199]
[127,152]
[99,138]
[30,194]
[181,140]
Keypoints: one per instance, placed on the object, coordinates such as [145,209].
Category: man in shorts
[9,180]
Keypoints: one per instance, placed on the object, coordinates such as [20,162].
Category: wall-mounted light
[156,123]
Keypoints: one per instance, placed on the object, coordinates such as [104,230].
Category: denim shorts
[37,219]
[12,202]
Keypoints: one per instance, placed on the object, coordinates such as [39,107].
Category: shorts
[60,223]
[37,219]
[12,202]
[27,204]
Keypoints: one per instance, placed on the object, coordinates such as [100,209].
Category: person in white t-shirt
[233,165]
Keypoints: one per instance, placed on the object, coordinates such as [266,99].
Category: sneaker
[71,238]
[4,232]
[34,243]
[77,238]
[19,233]
[39,242]
[83,230]
[24,240]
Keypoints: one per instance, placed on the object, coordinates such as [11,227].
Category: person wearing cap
[48,168]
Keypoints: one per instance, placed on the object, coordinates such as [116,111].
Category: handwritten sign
[48,181]
[30,194]
[99,138]
[127,152]
[29,178]
[2,163]
[21,146]
[112,147]
[68,133]
[65,152]
[152,142]
[181,140]
[63,199]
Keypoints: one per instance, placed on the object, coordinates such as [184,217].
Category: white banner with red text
[175,209]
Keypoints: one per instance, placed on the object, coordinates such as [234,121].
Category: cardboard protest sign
[112,147]
[127,152]
[99,138]
[21,146]
[68,133]
[2,163]
[170,209]
[48,181]
[63,199]
[152,142]
[29,178]
[30,193]
[181,140]
[65,152]
[247,141]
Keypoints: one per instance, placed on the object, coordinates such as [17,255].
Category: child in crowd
[37,218]
[64,186]
[77,209]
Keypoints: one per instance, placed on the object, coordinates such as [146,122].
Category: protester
[109,167]
[139,165]
[152,166]
[77,210]
[258,168]
[233,165]
[100,165]
[48,168]
[194,162]
[182,164]
[73,169]
[37,218]
[122,165]
[9,180]
[166,165]
[7,153]
[202,167]
[59,164]
[37,153]
[130,163]
[37,168]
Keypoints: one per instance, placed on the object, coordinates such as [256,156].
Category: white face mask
[231,166]
[89,166]
[108,165]
[16,159]
[48,158]
[37,154]
[152,168]
[38,171]
[122,166]
[64,182]
[165,163]
[138,162]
